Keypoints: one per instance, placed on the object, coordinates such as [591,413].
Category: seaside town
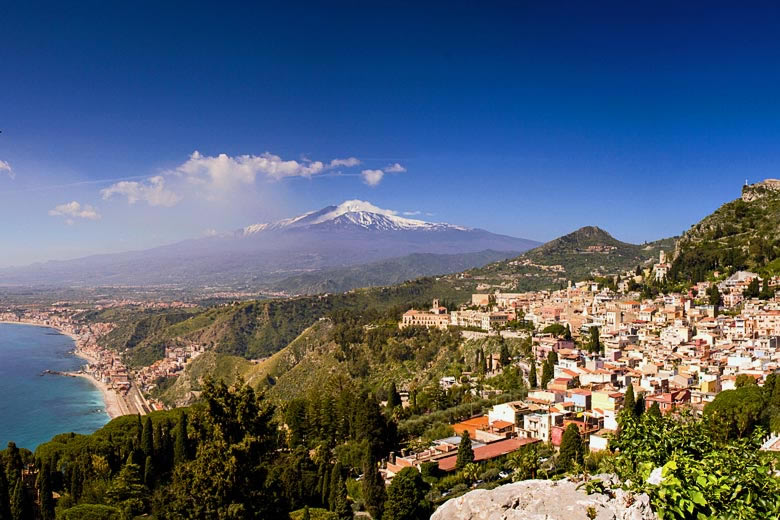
[674,351]
[125,391]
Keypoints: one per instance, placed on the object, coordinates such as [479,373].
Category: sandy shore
[115,405]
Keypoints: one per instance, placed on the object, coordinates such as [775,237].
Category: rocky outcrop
[755,191]
[545,500]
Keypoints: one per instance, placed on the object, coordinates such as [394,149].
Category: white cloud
[73,210]
[412,213]
[348,162]
[5,167]
[372,177]
[394,168]
[152,192]
[225,172]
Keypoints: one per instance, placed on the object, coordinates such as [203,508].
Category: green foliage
[532,374]
[373,488]
[735,413]
[548,370]
[465,451]
[91,512]
[700,476]
[572,449]
[406,497]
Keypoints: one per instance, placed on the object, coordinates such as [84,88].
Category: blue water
[34,408]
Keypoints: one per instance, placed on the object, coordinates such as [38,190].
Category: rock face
[544,500]
[756,191]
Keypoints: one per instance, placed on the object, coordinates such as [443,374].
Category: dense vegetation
[739,235]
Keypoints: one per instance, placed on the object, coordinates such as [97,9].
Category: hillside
[386,272]
[741,234]
[585,253]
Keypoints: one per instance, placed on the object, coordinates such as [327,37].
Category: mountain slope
[741,234]
[584,253]
[260,255]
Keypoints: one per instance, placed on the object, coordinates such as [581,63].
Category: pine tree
[572,449]
[465,451]
[147,437]
[373,488]
[181,444]
[532,375]
[5,496]
[44,492]
[629,403]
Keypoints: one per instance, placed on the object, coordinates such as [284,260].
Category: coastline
[111,399]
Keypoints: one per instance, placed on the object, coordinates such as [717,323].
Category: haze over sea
[34,408]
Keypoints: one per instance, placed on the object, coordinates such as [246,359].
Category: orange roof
[501,424]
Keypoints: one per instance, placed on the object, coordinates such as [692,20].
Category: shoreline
[112,401]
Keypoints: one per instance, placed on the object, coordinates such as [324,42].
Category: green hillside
[741,234]
[585,253]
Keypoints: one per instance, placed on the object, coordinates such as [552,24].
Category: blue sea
[34,408]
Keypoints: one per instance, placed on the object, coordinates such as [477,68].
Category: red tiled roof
[488,451]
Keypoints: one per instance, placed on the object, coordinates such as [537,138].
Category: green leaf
[698,498]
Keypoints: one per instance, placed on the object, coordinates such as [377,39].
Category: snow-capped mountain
[353,213]
[348,234]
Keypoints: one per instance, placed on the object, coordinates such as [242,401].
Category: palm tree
[470,472]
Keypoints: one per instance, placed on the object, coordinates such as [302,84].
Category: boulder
[545,500]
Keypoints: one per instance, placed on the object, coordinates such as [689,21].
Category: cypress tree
[465,451]
[654,410]
[505,357]
[149,472]
[76,483]
[373,488]
[5,496]
[639,407]
[333,488]
[325,487]
[629,403]
[552,358]
[547,373]
[532,375]
[13,463]
[567,334]
[139,428]
[572,449]
[181,444]
[341,507]
[147,437]
[44,492]
[393,397]
[20,508]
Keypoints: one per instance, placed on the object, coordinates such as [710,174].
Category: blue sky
[517,118]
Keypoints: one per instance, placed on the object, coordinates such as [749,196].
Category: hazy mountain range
[350,234]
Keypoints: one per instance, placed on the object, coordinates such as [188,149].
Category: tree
[744,380]
[20,506]
[342,508]
[333,487]
[393,397]
[752,290]
[552,357]
[127,491]
[373,488]
[766,293]
[5,496]
[181,443]
[654,410]
[735,413]
[149,473]
[147,437]
[572,449]
[46,499]
[714,296]
[567,334]
[306,513]
[629,403]
[594,346]
[547,373]
[532,375]
[465,451]
[504,355]
[470,472]
[406,497]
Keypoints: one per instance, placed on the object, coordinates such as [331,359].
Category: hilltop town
[591,344]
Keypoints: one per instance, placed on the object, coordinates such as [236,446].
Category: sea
[35,407]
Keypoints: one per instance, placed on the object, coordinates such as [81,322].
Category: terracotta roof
[488,451]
